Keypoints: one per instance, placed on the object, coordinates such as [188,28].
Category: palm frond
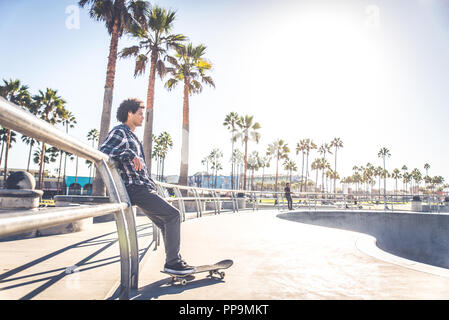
[171,84]
[141,63]
[129,52]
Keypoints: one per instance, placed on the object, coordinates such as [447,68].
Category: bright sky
[374,73]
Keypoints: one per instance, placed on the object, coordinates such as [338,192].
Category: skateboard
[213,269]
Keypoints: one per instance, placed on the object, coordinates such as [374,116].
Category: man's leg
[163,215]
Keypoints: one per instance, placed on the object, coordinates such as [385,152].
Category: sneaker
[181,267]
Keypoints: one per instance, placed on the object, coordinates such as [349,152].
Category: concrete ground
[75,266]
[273,259]
[279,259]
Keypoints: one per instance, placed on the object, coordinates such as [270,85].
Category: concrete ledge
[414,236]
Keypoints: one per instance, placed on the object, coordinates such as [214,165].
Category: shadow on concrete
[165,287]
[86,262]
[419,237]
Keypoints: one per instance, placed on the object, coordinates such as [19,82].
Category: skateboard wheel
[222,274]
[183,282]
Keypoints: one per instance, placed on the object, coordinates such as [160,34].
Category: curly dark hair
[126,106]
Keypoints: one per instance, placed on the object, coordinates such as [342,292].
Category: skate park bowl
[415,236]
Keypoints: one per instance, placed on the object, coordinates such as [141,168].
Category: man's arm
[117,147]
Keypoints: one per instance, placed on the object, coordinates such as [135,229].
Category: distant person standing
[288,196]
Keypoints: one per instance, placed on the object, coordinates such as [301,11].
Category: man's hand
[137,164]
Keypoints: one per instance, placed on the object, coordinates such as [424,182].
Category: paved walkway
[280,259]
[76,266]
[273,259]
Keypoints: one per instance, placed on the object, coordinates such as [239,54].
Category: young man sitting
[123,146]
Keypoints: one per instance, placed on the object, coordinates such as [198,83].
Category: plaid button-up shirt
[122,145]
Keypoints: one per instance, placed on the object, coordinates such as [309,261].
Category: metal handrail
[21,120]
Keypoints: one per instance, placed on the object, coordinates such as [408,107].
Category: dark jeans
[163,215]
[290,202]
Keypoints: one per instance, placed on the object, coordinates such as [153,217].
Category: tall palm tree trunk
[263,175]
[8,144]
[245,163]
[59,171]
[148,133]
[276,179]
[184,170]
[232,162]
[29,157]
[98,187]
[41,166]
[1,153]
[335,177]
[302,171]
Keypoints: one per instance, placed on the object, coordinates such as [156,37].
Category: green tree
[290,166]
[17,93]
[93,135]
[162,144]
[155,39]
[247,131]
[384,153]
[396,174]
[265,163]
[278,150]
[216,165]
[417,177]
[231,122]
[52,110]
[309,145]
[190,68]
[337,143]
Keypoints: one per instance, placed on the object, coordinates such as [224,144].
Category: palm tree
[427,167]
[214,159]
[155,39]
[396,174]
[337,143]
[309,146]
[290,166]
[189,67]
[4,135]
[231,122]
[254,164]
[68,121]
[407,177]
[34,109]
[93,135]
[417,176]
[404,169]
[50,155]
[51,109]
[301,147]
[163,143]
[316,165]
[17,93]
[238,158]
[265,163]
[383,153]
[278,150]
[248,131]
[117,16]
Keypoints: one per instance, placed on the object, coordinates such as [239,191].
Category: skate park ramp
[420,237]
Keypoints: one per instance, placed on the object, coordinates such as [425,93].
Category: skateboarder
[288,196]
[123,146]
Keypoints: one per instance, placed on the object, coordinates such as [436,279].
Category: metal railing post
[131,224]
[199,211]
[122,231]
[180,203]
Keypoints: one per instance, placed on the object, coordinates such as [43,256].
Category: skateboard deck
[213,269]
